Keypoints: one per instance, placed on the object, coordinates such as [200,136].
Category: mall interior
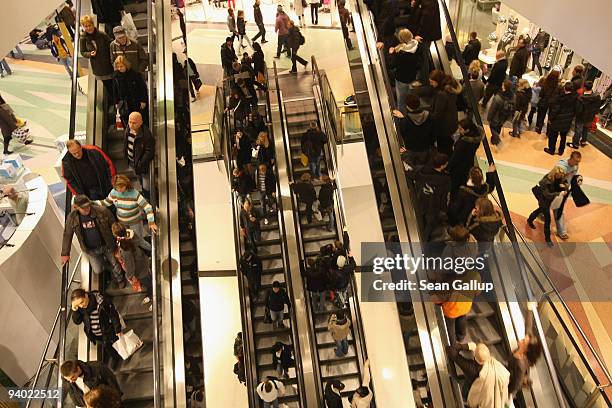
[203,201]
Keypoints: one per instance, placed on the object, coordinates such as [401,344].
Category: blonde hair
[475,66]
[523,84]
[121,60]
[121,180]
[263,139]
[72,142]
[405,35]
[86,19]
[554,172]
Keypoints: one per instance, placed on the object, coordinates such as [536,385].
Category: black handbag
[267,317]
[197,83]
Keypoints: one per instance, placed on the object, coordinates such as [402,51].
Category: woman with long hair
[130,90]
[444,109]
[545,192]
[550,90]
[265,149]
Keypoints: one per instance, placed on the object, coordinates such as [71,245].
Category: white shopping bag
[127,344]
[127,22]
[556,202]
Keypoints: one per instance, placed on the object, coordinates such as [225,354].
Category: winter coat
[251,268]
[548,96]
[266,154]
[133,52]
[484,229]
[312,143]
[294,38]
[339,330]
[577,81]
[101,163]
[453,250]
[462,159]
[587,107]
[500,109]
[417,130]
[8,121]
[231,23]
[285,359]
[270,180]
[95,373]
[245,221]
[228,56]
[130,88]
[144,149]
[110,324]
[99,42]
[498,73]
[305,191]
[333,399]
[339,279]
[406,62]
[281,26]
[257,16]
[259,63]
[277,301]
[539,43]
[326,195]
[546,191]
[464,201]
[104,221]
[562,112]
[429,23]
[108,11]
[521,100]
[444,111]
[243,184]
[278,389]
[518,66]
[432,189]
[316,277]
[241,25]
[478,88]
[298,7]
[243,156]
[471,51]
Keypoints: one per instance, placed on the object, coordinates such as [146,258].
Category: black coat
[144,149]
[518,66]
[471,51]
[270,180]
[99,42]
[462,159]
[243,184]
[305,191]
[228,56]
[95,373]
[522,98]
[110,324]
[406,65]
[498,114]
[259,63]
[562,112]
[432,190]
[546,191]
[548,96]
[241,25]
[258,17]
[484,229]
[498,73]
[293,38]
[332,399]
[244,151]
[417,131]
[326,195]
[587,107]
[312,143]
[429,22]
[444,112]
[130,88]
[285,359]
[251,268]
[277,301]
[108,11]
[316,277]
[102,165]
[464,201]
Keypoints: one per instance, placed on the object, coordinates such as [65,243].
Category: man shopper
[281,27]
[80,377]
[312,147]
[276,300]
[560,117]
[269,390]
[139,149]
[587,107]
[131,50]
[518,66]
[259,22]
[500,111]
[472,49]
[87,170]
[496,77]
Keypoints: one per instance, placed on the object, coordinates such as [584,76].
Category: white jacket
[490,389]
[278,390]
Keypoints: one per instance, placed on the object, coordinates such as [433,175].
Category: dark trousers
[490,90]
[345,34]
[542,111]
[535,62]
[546,212]
[282,41]
[532,112]
[553,135]
[296,58]
[314,13]
[108,88]
[108,351]
[457,328]
[261,33]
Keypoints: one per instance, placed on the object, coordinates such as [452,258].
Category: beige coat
[338,331]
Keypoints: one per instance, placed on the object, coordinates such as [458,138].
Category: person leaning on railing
[81,379]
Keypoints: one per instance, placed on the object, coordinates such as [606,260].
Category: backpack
[507,109]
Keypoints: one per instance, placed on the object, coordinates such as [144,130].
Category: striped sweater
[129,205]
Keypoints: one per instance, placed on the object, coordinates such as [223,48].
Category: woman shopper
[130,90]
[405,63]
[282,359]
[265,149]
[130,205]
[241,27]
[444,109]
[535,99]
[95,46]
[551,185]
[298,7]
[484,223]
[339,327]
[242,152]
[522,97]
[461,161]
[259,63]
[269,391]
[295,40]
[314,11]
[461,205]
[550,90]
[524,357]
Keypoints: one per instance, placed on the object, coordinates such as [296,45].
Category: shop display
[509,34]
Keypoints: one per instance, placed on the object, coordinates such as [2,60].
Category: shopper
[92,226]
[549,93]
[139,150]
[363,395]
[266,185]
[281,27]
[99,317]
[535,99]
[340,274]
[444,109]
[464,201]
[587,107]
[130,205]
[428,30]
[526,355]
[295,39]
[405,62]
[333,393]
[249,226]
[496,77]
[260,24]
[259,64]
[345,18]
[282,359]
[577,79]
[486,379]
[95,46]
[269,390]
[339,327]
[500,111]
[518,66]
[231,23]
[478,89]
[251,267]
[276,299]
[312,143]
[570,168]
[326,200]
[265,149]
[417,131]
[551,185]
[103,396]
[228,56]
[135,263]
[133,52]
[60,51]
[108,12]
[130,91]
[79,377]
[8,124]
[539,44]
[306,193]
[315,273]
[87,170]
[522,97]
[484,223]
[472,49]
[298,8]
[462,158]
[241,29]
[314,11]
[562,112]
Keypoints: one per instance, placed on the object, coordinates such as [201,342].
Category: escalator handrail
[295,338]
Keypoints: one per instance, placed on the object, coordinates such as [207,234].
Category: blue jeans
[341,348]
[315,167]
[99,258]
[67,63]
[318,301]
[516,123]
[581,131]
[401,91]
[277,317]
[273,404]
[560,222]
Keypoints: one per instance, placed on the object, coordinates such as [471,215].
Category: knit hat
[341,261]
[118,31]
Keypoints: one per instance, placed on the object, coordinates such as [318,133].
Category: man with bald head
[496,77]
[139,149]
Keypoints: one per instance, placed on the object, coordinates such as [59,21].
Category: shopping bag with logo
[127,22]
[22,135]
[127,344]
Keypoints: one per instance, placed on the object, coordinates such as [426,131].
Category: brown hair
[484,207]
[103,396]
[476,176]
[459,233]
[69,367]
[551,82]
[78,294]
[121,180]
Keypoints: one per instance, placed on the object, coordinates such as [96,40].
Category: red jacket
[102,164]
[282,24]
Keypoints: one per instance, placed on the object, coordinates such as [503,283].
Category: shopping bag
[267,316]
[136,285]
[127,344]
[127,22]
[197,83]
[304,159]
[22,135]
[556,202]
[255,152]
